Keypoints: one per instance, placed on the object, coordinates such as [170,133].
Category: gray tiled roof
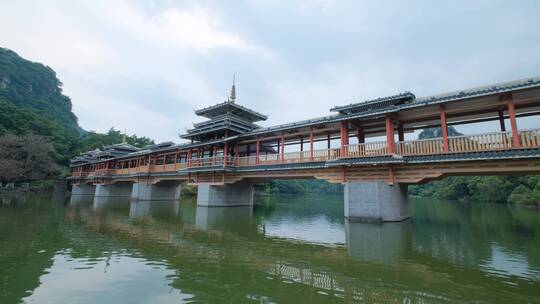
[483,90]
[489,155]
[375,103]
[291,166]
[388,159]
[418,102]
[232,107]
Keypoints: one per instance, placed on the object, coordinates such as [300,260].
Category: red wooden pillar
[282,146]
[311,154]
[257,149]
[344,135]
[361,136]
[343,174]
[189,157]
[401,135]
[390,143]
[501,120]
[236,153]
[301,147]
[444,128]
[225,151]
[164,161]
[328,145]
[513,123]
[328,139]
[391,175]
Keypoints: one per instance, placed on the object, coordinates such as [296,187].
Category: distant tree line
[305,186]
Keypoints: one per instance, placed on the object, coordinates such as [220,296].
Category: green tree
[26,158]
[525,196]
[92,140]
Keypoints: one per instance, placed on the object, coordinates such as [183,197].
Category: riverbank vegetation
[520,190]
[26,157]
[294,186]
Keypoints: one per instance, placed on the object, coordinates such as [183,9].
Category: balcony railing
[366,149]
[288,158]
[495,141]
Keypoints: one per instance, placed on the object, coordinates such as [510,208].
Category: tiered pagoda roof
[227,117]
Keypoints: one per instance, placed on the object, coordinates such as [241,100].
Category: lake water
[284,250]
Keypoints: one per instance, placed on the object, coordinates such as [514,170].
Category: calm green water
[285,250]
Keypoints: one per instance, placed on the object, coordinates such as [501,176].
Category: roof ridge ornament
[232,97]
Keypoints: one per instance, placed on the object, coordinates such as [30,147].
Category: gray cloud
[144,66]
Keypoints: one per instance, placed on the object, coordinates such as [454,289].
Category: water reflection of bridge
[319,268]
[217,223]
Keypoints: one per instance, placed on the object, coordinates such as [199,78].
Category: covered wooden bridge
[362,145]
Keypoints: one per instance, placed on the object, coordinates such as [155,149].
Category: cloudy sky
[144,66]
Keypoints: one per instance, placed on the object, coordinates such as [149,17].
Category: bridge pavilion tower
[215,145]
[224,121]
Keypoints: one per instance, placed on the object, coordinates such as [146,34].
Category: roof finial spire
[232,98]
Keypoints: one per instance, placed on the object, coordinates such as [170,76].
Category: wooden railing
[366,149]
[530,138]
[207,161]
[422,146]
[287,158]
[480,142]
[495,141]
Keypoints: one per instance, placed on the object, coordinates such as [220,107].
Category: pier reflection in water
[284,250]
[236,219]
[385,243]
[142,209]
[105,203]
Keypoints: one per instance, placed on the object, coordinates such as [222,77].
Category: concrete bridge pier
[83,189]
[376,202]
[162,191]
[116,189]
[238,194]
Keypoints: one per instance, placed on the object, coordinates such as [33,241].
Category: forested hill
[35,86]
[32,103]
